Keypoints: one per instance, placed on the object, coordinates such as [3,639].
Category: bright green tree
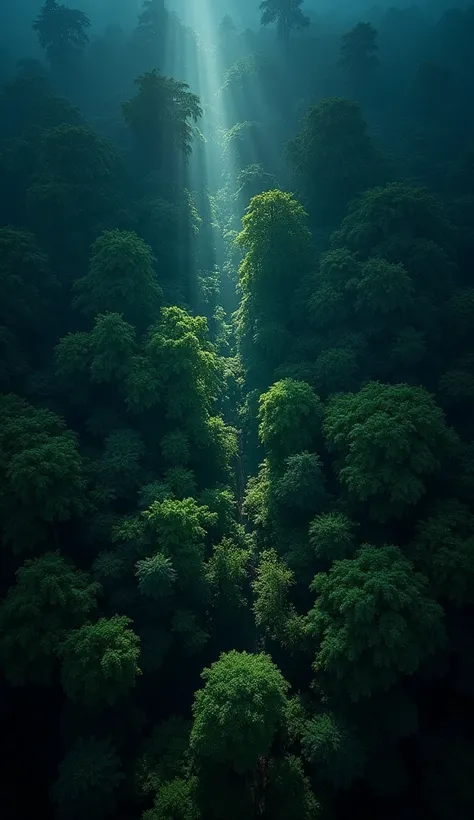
[277,245]
[239,712]
[273,609]
[290,415]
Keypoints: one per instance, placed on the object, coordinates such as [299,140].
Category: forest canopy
[236,409]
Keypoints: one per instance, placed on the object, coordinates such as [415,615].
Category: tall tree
[160,117]
[359,52]
[287,15]
[334,158]
[62,32]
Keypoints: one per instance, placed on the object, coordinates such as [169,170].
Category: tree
[227,574]
[61,32]
[227,27]
[179,368]
[152,26]
[76,154]
[336,753]
[333,158]
[160,117]
[290,415]
[289,795]
[388,221]
[99,662]
[156,576]
[75,194]
[238,712]
[374,621]
[151,16]
[27,287]
[175,800]
[28,101]
[121,279]
[443,549]
[89,777]
[287,15]
[359,52]
[119,467]
[42,472]
[277,242]
[301,487]
[273,609]
[50,598]
[331,536]
[390,439]
[25,279]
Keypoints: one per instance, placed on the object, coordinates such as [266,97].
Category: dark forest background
[236,410]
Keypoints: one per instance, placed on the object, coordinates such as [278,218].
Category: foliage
[373,620]
[272,607]
[390,438]
[225,366]
[42,470]
[334,158]
[287,15]
[61,31]
[332,536]
[359,51]
[174,801]
[89,777]
[160,117]
[290,416]
[156,576]
[121,279]
[335,752]
[99,661]
[49,599]
[239,711]
[443,549]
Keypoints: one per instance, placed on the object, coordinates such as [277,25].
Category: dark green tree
[121,279]
[277,242]
[288,16]
[62,32]
[374,621]
[390,439]
[49,599]
[333,158]
[89,777]
[161,118]
[99,662]
[359,52]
